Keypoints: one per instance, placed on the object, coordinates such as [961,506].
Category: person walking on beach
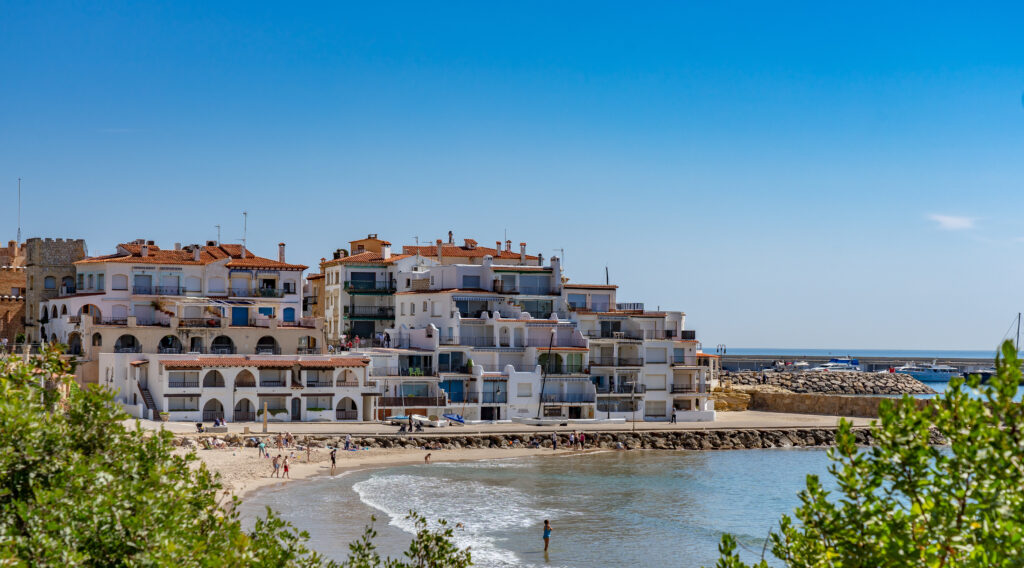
[263,449]
[572,440]
[583,440]
[348,442]
[286,469]
[277,464]
[554,441]
[547,534]
[426,459]
[334,462]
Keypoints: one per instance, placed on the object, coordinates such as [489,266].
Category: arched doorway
[127,344]
[245,379]
[212,410]
[75,343]
[245,411]
[267,345]
[347,410]
[97,340]
[169,344]
[222,345]
[213,379]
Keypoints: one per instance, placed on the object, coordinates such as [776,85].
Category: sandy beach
[243,471]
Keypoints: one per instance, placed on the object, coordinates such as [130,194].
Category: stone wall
[673,440]
[47,257]
[833,382]
[12,302]
[830,405]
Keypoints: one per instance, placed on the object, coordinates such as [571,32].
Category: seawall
[833,405]
[832,382]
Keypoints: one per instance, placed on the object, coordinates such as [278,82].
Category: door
[362,329]
[575,412]
[239,316]
[296,409]
[195,345]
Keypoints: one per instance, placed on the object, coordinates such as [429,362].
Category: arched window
[222,345]
[213,379]
[213,410]
[64,310]
[267,345]
[169,344]
[53,313]
[127,344]
[50,283]
[245,379]
[97,340]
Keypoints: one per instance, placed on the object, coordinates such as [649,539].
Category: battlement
[53,252]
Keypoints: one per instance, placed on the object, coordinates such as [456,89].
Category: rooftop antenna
[561,252]
[606,275]
[218,234]
[19,210]
[245,229]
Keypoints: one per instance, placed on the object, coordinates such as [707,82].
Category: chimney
[508,246]
[385,252]
[243,251]
[522,253]
[280,252]
[195,252]
[177,246]
[440,255]
[451,238]
[497,247]
[145,250]
[540,259]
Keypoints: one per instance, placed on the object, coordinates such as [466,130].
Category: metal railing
[199,322]
[605,334]
[688,389]
[690,334]
[566,370]
[136,349]
[168,290]
[383,312]
[258,293]
[211,415]
[169,350]
[310,351]
[268,350]
[631,361]
[319,384]
[143,290]
[113,321]
[240,416]
[603,361]
[413,401]
[222,350]
[449,368]
[568,397]
[684,360]
[478,341]
[346,414]
[469,397]
[185,384]
[271,382]
[537,290]
[369,286]
[401,372]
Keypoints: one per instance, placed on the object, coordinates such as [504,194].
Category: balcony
[369,287]
[619,362]
[272,382]
[688,334]
[309,351]
[143,290]
[413,401]
[478,341]
[199,322]
[565,370]
[628,388]
[346,414]
[370,312]
[568,397]
[400,372]
[537,290]
[184,384]
[240,416]
[449,368]
[631,362]
[608,334]
[690,361]
[688,389]
[321,383]
[169,350]
[113,321]
[258,293]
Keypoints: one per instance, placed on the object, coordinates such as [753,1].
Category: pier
[758,362]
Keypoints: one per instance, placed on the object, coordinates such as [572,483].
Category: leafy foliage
[906,502]
[79,488]
[430,548]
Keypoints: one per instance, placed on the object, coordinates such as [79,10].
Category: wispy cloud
[953,222]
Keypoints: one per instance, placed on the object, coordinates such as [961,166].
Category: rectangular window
[318,403]
[99,282]
[524,390]
[578,300]
[679,355]
[654,408]
[183,404]
[655,382]
[81,280]
[183,379]
[599,302]
[412,308]
[656,355]
[470,281]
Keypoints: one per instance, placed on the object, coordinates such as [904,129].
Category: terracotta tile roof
[131,253]
[556,348]
[447,290]
[456,251]
[507,268]
[204,362]
[713,356]
[366,258]
[592,286]
[316,276]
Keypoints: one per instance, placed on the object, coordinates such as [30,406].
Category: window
[50,283]
[524,390]
[578,300]
[91,282]
[412,308]
[655,382]
[318,403]
[289,287]
[424,306]
[183,379]
[656,355]
[81,280]
[402,306]
[599,302]
[99,282]
[470,281]
[679,355]
[183,404]
[119,282]
[654,408]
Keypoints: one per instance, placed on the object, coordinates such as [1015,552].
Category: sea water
[632,508]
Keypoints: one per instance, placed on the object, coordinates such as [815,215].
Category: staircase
[148,400]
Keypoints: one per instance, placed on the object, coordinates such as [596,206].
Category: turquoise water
[892,353]
[608,509]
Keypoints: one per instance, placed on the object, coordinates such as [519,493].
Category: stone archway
[245,411]
[213,379]
[212,410]
[245,378]
[347,409]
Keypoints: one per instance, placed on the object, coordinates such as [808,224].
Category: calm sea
[891,353]
[650,508]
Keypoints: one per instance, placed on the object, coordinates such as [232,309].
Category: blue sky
[797,175]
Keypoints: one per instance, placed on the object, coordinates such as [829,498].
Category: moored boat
[929,372]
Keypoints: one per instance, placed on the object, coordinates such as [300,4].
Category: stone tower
[50,272]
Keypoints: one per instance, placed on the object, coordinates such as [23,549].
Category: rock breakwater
[832,382]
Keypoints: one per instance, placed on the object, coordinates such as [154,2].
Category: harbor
[759,362]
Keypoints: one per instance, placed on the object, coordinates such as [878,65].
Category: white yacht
[929,372]
[839,364]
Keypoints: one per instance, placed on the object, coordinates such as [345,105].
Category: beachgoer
[348,442]
[286,468]
[572,439]
[277,465]
[583,440]
[334,457]
[263,448]
[547,534]
[554,441]
[426,459]
[673,419]
[308,450]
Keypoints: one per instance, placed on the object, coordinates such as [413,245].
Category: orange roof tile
[366,258]
[131,253]
[203,362]
[456,251]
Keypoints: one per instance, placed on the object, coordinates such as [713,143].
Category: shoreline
[243,472]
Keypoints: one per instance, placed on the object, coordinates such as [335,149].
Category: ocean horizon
[893,353]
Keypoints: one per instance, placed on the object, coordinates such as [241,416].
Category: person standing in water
[547,534]
[554,441]
[334,462]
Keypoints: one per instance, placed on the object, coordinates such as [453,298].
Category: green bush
[906,502]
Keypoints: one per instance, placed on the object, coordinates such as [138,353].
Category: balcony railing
[168,350]
[603,361]
[268,350]
[369,286]
[689,334]
[464,397]
[566,370]
[688,389]
[136,349]
[310,351]
[568,397]
[211,415]
[113,321]
[448,368]
[346,414]
[413,401]
[692,360]
[168,290]
[371,312]
[143,290]
[631,362]
[537,290]
[495,397]
[240,416]
[199,322]
[185,384]
[606,334]
[382,371]
[222,350]
[258,293]
[478,341]
[312,383]
[271,382]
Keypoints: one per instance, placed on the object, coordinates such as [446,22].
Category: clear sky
[788,174]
